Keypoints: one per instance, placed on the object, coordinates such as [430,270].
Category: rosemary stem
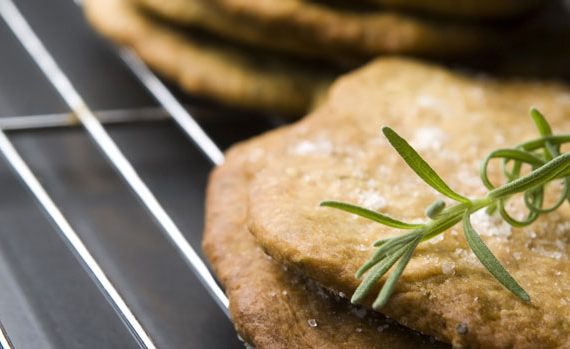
[452,216]
[542,155]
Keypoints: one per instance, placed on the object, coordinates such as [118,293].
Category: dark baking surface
[47,300]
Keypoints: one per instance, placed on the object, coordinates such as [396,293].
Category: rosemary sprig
[547,164]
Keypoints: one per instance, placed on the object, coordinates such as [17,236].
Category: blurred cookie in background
[208,66]
[279,56]
[342,34]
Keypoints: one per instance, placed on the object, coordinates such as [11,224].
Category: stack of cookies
[280,55]
[288,265]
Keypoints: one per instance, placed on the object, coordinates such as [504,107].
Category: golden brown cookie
[210,67]
[271,307]
[337,153]
[317,30]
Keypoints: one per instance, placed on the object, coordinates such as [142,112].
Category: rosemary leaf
[376,274]
[386,249]
[390,284]
[435,209]
[540,121]
[550,150]
[420,166]
[540,142]
[520,156]
[531,205]
[490,261]
[540,176]
[408,237]
[530,218]
[369,214]
[440,225]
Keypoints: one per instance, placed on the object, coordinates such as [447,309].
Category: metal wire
[171,104]
[17,23]
[5,342]
[63,85]
[84,116]
[71,237]
[43,121]
[193,130]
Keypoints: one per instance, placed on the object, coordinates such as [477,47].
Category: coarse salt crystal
[563,98]
[466,256]
[436,239]
[372,200]
[429,102]
[428,138]
[461,328]
[499,139]
[381,328]
[487,225]
[312,323]
[448,268]
[316,147]
[359,312]
[290,171]
[562,228]
[547,253]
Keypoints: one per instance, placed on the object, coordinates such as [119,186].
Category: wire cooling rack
[81,114]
